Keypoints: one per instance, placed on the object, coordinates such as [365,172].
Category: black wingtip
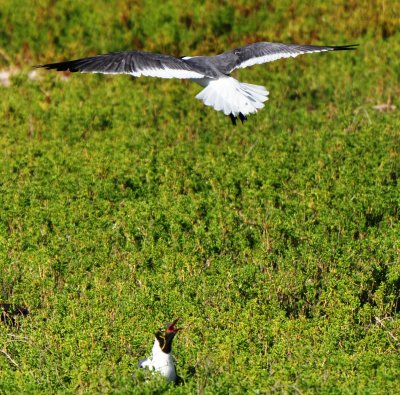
[233,119]
[43,66]
[349,47]
[61,66]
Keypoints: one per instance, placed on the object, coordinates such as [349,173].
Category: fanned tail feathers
[232,97]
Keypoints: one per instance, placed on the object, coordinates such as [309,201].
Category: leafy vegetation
[125,203]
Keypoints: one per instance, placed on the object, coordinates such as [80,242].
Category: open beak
[171,327]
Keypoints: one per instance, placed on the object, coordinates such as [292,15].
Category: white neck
[162,362]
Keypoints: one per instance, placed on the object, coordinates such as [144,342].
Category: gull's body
[160,362]
[161,359]
[221,91]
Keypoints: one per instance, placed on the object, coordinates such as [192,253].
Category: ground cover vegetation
[125,203]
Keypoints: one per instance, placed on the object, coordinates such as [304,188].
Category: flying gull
[221,91]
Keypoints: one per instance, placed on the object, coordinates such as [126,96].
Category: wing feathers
[264,52]
[139,63]
[135,63]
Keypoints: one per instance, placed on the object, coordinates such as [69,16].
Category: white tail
[231,96]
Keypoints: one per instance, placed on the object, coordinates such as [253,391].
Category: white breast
[161,362]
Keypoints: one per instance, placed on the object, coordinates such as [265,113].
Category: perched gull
[222,92]
[161,359]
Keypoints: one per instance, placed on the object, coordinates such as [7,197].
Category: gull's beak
[171,327]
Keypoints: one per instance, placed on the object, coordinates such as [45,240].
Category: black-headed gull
[161,359]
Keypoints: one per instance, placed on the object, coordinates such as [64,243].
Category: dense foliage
[125,203]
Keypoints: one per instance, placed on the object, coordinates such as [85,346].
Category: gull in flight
[221,91]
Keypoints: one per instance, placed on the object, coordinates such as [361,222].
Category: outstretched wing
[264,52]
[135,63]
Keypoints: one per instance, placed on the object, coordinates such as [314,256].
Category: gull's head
[166,335]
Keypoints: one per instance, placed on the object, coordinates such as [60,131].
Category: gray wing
[135,63]
[264,52]
[144,363]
